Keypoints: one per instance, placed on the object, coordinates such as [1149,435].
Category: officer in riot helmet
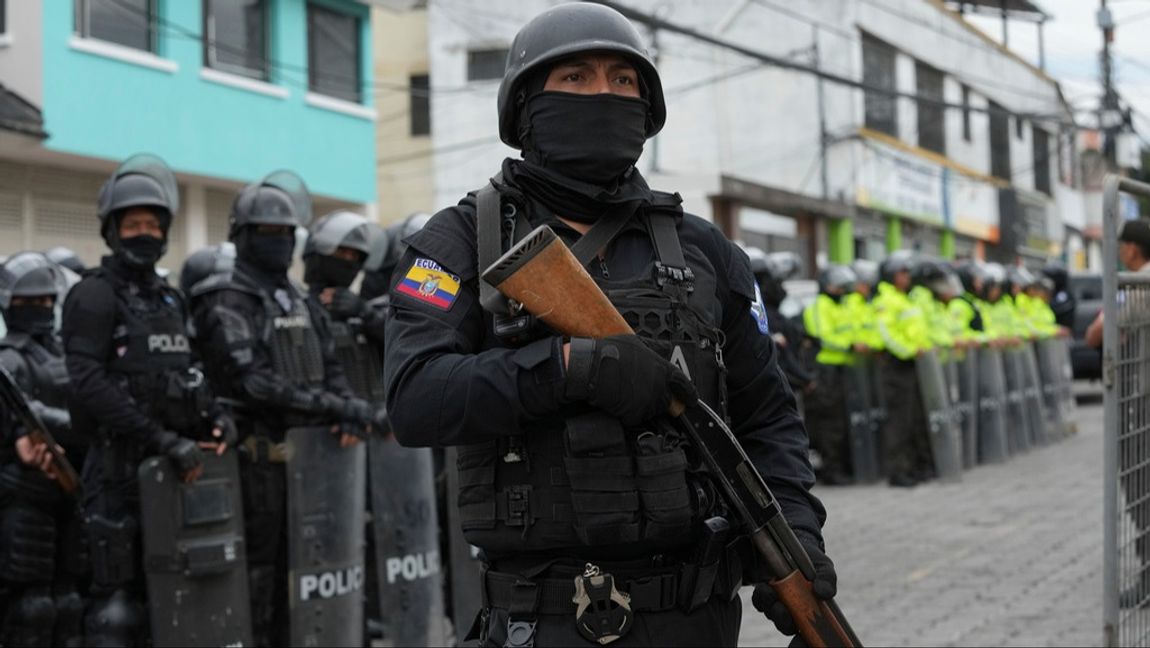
[1062,300]
[337,246]
[65,257]
[41,554]
[538,418]
[387,247]
[267,348]
[771,271]
[134,392]
[827,321]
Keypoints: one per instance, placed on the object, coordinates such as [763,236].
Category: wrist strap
[579,360]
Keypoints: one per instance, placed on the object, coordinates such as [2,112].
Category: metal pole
[1109,98]
[823,168]
[1109,413]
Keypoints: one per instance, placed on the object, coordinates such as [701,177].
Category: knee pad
[113,621]
[30,619]
[27,544]
[69,618]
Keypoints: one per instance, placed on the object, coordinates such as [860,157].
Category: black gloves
[346,304]
[183,452]
[228,426]
[625,378]
[825,585]
[355,415]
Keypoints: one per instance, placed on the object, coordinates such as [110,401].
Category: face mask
[330,272]
[32,319]
[592,138]
[142,251]
[270,252]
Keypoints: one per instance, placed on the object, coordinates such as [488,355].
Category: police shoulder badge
[759,312]
[426,281]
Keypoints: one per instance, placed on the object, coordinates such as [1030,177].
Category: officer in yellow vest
[905,334]
[826,320]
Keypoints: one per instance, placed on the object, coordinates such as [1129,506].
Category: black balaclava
[33,319]
[270,253]
[139,252]
[329,271]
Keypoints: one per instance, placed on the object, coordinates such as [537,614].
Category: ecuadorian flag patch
[428,282]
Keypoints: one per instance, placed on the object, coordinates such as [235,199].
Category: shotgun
[539,274]
[13,398]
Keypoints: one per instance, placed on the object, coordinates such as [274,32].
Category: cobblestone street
[1011,556]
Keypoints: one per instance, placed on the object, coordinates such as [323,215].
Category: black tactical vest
[360,358]
[582,481]
[290,335]
[47,374]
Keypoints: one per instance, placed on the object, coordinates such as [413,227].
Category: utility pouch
[602,613]
[699,577]
[661,475]
[112,544]
[604,498]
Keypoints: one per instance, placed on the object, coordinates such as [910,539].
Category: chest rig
[47,374]
[579,479]
[152,357]
[291,337]
[360,358]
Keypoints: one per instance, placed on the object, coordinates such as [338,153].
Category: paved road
[1009,557]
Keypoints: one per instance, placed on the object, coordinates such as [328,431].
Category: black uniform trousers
[905,433]
[265,532]
[826,418]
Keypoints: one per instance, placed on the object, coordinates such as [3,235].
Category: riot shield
[1041,427]
[966,369]
[878,411]
[405,527]
[195,559]
[464,569]
[1017,415]
[1047,353]
[326,495]
[992,433]
[945,438]
[860,427]
[1067,383]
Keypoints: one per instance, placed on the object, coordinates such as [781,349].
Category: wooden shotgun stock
[540,274]
[14,399]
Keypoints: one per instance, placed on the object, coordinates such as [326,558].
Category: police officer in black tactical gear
[770,271]
[267,348]
[41,551]
[134,390]
[565,471]
[387,247]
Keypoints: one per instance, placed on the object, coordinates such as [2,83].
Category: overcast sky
[1073,42]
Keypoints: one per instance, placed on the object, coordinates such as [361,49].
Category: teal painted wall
[99,107]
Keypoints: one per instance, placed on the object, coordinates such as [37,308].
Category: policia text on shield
[572,304]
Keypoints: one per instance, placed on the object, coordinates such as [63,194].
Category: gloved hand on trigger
[824,586]
[624,377]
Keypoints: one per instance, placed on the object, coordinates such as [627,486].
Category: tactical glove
[183,452]
[625,378]
[824,585]
[228,426]
[346,304]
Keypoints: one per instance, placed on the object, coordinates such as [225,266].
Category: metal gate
[1126,380]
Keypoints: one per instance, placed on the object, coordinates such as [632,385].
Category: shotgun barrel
[15,400]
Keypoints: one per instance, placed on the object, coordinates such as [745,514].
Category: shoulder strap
[488,226]
[670,265]
[602,232]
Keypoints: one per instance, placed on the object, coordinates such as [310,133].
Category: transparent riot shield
[1047,353]
[1066,394]
[405,527]
[327,490]
[195,559]
[1017,415]
[1041,426]
[967,405]
[945,437]
[992,433]
[860,428]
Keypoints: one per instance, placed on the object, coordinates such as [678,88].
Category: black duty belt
[650,593]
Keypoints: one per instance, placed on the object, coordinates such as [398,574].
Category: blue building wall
[100,107]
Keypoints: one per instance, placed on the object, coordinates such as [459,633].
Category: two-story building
[918,131]
[225,91]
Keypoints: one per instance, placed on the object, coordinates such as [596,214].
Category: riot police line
[914,369]
[240,485]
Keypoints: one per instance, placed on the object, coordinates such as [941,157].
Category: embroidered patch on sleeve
[759,312]
[428,282]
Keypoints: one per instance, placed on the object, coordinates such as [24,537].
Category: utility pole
[1108,117]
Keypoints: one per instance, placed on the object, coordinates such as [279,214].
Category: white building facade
[783,160]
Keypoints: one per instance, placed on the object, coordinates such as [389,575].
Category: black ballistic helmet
[837,279]
[29,274]
[388,245]
[65,257]
[143,180]
[563,31]
[339,229]
[206,262]
[281,198]
[1058,274]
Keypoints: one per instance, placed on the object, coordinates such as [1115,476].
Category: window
[931,115]
[966,113]
[1041,146]
[486,64]
[333,54]
[879,72]
[236,37]
[123,22]
[419,90]
[999,141]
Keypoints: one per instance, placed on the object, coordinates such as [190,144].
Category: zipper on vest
[603,268]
